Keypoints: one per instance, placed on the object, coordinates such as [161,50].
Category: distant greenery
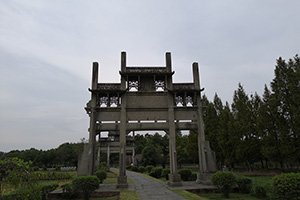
[65,155]
[258,132]
[253,132]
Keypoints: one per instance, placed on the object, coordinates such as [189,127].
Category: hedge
[286,186]
[185,174]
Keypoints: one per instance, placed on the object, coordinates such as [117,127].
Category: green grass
[130,195]
[112,178]
[261,180]
[256,180]
[98,198]
[233,196]
[188,195]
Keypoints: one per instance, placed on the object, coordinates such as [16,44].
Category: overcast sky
[47,49]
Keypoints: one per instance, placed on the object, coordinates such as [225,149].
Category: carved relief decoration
[133,84]
[159,84]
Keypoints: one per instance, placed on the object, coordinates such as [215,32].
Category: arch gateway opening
[146,100]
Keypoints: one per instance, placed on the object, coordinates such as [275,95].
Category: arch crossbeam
[146,99]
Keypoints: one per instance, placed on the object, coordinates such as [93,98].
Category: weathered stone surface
[146,99]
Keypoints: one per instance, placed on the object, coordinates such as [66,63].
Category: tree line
[64,155]
[259,129]
[252,130]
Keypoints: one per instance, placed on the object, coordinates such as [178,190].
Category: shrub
[224,181]
[101,174]
[286,186]
[244,185]
[156,172]
[102,166]
[32,192]
[185,174]
[86,184]
[142,169]
[193,177]
[68,191]
[52,175]
[260,192]
[149,168]
[165,173]
[135,168]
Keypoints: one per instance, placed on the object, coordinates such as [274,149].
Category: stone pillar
[123,61]
[99,151]
[203,175]
[122,178]
[108,156]
[133,150]
[92,129]
[174,177]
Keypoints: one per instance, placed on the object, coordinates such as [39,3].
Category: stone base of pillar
[122,182]
[204,178]
[174,180]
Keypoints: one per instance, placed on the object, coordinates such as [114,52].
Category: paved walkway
[148,189]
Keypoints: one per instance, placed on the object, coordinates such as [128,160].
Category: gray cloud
[47,47]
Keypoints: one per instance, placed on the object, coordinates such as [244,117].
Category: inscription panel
[138,100]
[144,114]
[188,114]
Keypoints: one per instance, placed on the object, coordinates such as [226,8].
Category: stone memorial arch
[146,100]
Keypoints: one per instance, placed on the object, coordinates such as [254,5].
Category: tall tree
[286,101]
[227,138]
[212,124]
[192,146]
[245,120]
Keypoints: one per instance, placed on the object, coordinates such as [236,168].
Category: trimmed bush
[244,185]
[86,184]
[149,168]
[68,191]
[156,172]
[185,174]
[165,173]
[101,174]
[102,166]
[224,181]
[193,177]
[286,186]
[52,175]
[135,168]
[142,169]
[260,192]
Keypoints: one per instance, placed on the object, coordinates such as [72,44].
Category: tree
[15,172]
[212,124]
[150,153]
[227,138]
[192,146]
[244,114]
[181,144]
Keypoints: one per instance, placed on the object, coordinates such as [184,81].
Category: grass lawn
[188,195]
[234,196]
[130,195]
[260,179]
[124,195]
[102,198]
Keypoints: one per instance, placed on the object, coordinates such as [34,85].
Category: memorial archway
[146,99]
